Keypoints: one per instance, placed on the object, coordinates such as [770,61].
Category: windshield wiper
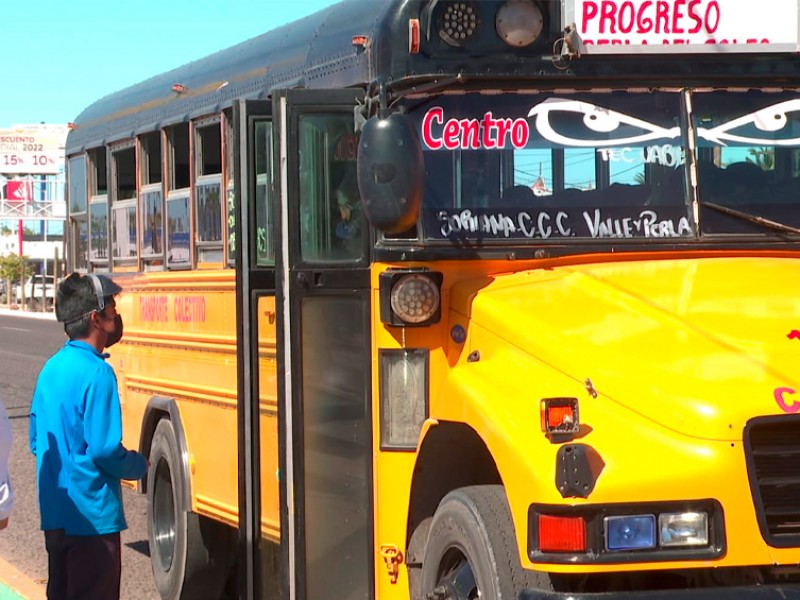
[755,219]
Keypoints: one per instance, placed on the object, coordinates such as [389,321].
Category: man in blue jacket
[76,435]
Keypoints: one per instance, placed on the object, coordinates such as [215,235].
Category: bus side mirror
[390,173]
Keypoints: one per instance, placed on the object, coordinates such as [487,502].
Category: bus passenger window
[208,190]
[77,194]
[178,180]
[123,203]
[151,204]
[97,241]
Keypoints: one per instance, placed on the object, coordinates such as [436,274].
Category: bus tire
[184,568]
[471,549]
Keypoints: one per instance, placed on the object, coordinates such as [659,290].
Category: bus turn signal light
[562,534]
[560,415]
[410,298]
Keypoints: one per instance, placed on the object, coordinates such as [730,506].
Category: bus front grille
[773,462]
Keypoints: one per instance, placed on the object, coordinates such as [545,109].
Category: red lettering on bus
[437,114]
[589,13]
[715,6]
[677,16]
[692,14]
[645,23]
[153,309]
[189,309]
[346,149]
[662,16]
[651,16]
[786,407]
[607,13]
[472,134]
[627,17]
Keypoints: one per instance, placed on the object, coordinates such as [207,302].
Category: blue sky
[62,55]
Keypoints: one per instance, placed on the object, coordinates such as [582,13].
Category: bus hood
[699,346]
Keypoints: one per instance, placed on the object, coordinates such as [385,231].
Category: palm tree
[763,157]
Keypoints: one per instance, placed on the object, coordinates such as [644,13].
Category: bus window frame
[117,205]
[80,217]
[206,253]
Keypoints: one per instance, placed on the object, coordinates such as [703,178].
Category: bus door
[323,282]
[251,218]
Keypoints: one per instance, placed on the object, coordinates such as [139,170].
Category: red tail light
[562,534]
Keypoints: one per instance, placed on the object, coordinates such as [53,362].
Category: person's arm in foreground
[6,493]
[103,431]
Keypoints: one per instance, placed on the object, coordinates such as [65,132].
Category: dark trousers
[83,567]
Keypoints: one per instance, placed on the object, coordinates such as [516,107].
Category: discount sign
[34,149]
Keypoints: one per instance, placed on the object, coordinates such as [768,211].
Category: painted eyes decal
[603,120]
[598,119]
[770,119]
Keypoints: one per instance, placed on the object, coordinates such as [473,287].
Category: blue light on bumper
[630,532]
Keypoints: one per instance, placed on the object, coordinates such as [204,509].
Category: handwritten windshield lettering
[545,224]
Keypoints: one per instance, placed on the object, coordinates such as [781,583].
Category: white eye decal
[596,118]
[772,118]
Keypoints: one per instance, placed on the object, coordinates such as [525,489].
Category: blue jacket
[76,435]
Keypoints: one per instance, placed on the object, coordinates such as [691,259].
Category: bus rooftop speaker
[390,173]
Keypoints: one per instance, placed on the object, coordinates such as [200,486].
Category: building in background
[32,194]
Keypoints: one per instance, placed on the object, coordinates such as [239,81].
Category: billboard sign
[684,26]
[32,149]
[19,191]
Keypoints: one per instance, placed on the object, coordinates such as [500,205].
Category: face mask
[115,335]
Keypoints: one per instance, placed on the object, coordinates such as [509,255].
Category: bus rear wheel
[185,548]
[471,551]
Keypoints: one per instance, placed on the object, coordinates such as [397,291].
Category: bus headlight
[458,22]
[519,23]
[404,396]
[683,529]
[410,298]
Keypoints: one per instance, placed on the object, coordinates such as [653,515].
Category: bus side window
[178,182]
[123,204]
[265,246]
[208,190]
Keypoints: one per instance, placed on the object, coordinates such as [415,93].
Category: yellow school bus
[445,300]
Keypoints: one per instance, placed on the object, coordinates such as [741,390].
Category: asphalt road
[25,344]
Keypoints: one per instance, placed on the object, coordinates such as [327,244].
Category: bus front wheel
[184,568]
[471,551]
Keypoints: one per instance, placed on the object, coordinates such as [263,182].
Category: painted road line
[14,585]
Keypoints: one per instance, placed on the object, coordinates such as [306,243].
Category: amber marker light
[413,36]
[360,41]
[562,534]
[560,416]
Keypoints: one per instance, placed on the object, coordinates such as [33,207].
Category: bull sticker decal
[786,404]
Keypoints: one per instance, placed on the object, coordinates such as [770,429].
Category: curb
[14,585]
[10,312]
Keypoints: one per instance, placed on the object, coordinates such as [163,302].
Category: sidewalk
[14,585]
[29,314]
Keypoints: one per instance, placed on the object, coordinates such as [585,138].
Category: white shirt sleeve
[6,492]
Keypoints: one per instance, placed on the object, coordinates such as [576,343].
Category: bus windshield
[610,164]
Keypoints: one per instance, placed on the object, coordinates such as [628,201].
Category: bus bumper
[751,592]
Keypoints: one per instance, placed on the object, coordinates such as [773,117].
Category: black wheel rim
[163,515]
[456,578]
